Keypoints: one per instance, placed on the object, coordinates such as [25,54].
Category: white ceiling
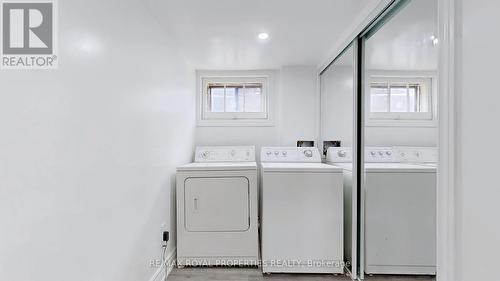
[222,34]
[404,43]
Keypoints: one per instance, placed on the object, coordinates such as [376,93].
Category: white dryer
[302,213]
[217,208]
[399,211]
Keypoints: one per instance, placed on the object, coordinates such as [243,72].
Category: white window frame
[403,119]
[206,118]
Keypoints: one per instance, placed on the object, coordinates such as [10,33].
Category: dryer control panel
[205,154]
[290,154]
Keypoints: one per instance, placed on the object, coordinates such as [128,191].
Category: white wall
[337,104]
[299,104]
[401,136]
[295,110]
[478,150]
[88,151]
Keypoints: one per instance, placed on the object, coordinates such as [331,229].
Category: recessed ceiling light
[263,36]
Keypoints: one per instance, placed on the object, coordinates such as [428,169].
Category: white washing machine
[302,213]
[399,211]
[217,208]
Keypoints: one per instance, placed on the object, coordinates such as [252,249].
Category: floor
[255,274]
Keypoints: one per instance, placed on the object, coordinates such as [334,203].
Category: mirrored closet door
[399,55]
[338,134]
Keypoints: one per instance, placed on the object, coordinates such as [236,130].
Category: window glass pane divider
[208,105]
[417,99]
[388,97]
[244,93]
[225,86]
[407,97]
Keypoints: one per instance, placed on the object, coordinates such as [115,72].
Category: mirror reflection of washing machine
[399,211]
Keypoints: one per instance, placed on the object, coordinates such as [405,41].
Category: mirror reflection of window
[400,98]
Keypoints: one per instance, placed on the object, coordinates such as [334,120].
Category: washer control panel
[290,154]
[372,155]
[395,154]
[380,155]
[339,154]
[225,154]
[416,154]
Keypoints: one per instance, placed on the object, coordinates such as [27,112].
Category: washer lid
[300,167]
[344,166]
[219,166]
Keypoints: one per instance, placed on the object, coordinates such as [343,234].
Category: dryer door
[217,204]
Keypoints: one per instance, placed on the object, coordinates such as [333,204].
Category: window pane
[253,98]
[399,101]
[412,95]
[378,98]
[234,98]
[216,99]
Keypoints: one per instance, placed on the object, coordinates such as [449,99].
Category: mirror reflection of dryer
[399,211]
[217,208]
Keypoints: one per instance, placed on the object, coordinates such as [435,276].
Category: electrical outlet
[166,236]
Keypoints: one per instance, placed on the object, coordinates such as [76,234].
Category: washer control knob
[276,153]
[372,153]
[233,153]
[205,154]
[380,153]
[308,153]
[268,153]
[341,153]
[283,153]
[388,153]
